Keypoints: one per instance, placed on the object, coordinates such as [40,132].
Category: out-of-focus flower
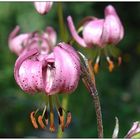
[43,7]
[99,32]
[16,42]
[26,41]
[55,72]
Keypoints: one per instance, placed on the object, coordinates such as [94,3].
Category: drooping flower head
[26,41]
[99,32]
[56,72]
[43,7]
[53,72]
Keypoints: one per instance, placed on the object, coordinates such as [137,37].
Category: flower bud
[43,7]
[135,129]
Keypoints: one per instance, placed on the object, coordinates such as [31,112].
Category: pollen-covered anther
[96,65]
[111,64]
[33,120]
[40,121]
[69,119]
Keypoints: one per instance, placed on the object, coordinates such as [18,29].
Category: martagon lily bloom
[26,41]
[57,71]
[43,7]
[99,32]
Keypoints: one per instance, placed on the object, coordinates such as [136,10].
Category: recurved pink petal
[74,33]
[71,69]
[71,52]
[113,30]
[54,78]
[16,42]
[30,75]
[51,35]
[21,70]
[92,32]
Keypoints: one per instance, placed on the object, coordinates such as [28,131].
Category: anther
[40,121]
[33,120]
[69,119]
[96,65]
[111,64]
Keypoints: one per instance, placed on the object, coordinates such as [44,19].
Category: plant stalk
[89,81]
[62,28]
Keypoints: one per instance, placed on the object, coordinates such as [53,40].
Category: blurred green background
[119,91]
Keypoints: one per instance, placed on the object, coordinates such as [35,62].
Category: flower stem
[89,81]
[98,115]
[63,35]
[62,28]
[52,127]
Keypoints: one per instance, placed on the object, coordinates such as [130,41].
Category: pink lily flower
[26,41]
[43,7]
[56,72]
[99,32]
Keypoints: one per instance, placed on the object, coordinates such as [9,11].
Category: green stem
[64,105]
[52,127]
[61,22]
[63,35]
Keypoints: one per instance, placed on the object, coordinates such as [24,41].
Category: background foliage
[119,91]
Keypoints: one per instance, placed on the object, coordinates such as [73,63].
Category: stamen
[111,64]
[40,121]
[96,65]
[69,119]
[52,127]
[33,120]
[44,111]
